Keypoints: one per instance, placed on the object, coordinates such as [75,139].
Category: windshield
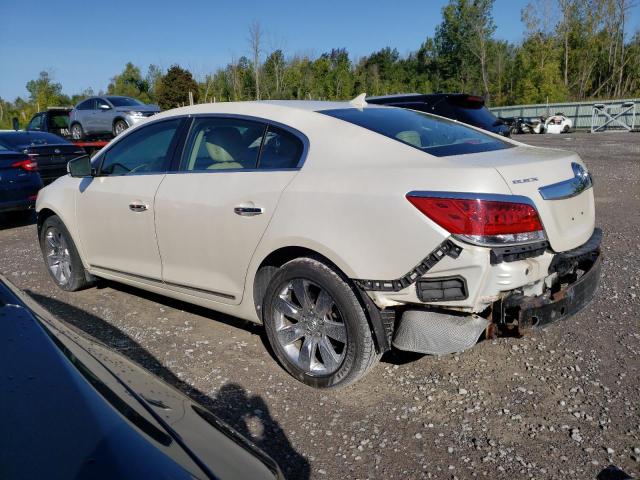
[428,133]
[124,102]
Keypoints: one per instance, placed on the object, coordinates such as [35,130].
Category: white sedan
[344,228]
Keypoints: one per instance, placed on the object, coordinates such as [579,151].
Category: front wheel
[119,126]
[77,133]
[61,256]
[316,325]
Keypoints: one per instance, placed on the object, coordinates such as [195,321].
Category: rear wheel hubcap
[309,327]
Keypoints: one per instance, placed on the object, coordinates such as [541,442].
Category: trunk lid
[52,159]
[567,213]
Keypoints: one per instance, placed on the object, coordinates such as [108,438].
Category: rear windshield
[474,113]
[59,119]
[124,101]
[428,133]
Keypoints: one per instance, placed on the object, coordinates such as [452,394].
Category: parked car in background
[54,120]
[19,181]
[86,412]
[109,115]
[49,151]
[519,125]
[456,106]
[343,227]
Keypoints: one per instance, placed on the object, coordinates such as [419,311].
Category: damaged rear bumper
[535,312]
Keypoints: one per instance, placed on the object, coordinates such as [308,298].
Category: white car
[557,123]
[344,228]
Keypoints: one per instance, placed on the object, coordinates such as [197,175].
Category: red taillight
[480,218]
[27,164]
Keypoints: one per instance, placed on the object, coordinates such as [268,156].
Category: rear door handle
[137,207]
[248,211]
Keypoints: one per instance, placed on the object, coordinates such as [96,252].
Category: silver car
[108,115]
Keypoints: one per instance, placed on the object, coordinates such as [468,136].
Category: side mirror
[15,123]
[80,167]
[104,107]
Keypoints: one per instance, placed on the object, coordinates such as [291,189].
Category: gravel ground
[562,403]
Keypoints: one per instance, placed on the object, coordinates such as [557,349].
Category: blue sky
[83,44]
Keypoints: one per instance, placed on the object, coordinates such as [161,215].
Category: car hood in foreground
[84,411]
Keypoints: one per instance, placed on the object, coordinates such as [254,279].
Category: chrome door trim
[580,182]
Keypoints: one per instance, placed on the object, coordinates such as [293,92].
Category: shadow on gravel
[16,219]
[249,415]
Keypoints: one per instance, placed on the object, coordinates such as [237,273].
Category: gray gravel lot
[562,404]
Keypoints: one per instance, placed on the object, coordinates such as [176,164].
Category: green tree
[44,92]
[173,88]
[130,83]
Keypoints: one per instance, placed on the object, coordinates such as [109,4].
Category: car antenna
[359,101]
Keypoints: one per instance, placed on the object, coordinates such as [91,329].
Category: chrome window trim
[580,182]
[499,197]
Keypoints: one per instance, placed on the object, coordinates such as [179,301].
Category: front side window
[145,150]
[86,105]
[101,104]
[35,123]
[222,144]
[433,135]
[281,149]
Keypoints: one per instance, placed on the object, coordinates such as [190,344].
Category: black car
[19,181]
[50,151]
[465,108]
[72,408]
[54,120]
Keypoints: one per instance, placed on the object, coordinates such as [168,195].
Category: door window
[145,150]
[222,144]
[101,103]
[86,105]
[35,123]
[281,149]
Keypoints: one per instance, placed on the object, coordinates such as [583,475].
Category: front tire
[61,256]
[316,326]
[77,133]
[119,126]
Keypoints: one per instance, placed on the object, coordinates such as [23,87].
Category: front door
[211,215]
[115,209]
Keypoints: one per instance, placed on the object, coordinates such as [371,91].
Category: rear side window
[433,135]
[281,149]
[222,144]
[145,150]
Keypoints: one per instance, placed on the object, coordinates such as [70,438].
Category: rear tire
[61,256]
[119,126]
[77,132]
[316,326]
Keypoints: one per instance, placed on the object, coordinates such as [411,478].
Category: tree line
[572,50]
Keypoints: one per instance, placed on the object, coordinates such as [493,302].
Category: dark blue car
[50,151]
[19,181]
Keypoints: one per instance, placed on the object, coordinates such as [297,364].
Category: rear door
[211,214]
[116,209]
[83,113]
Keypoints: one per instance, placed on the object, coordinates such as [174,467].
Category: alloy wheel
[57,255]
[309,327]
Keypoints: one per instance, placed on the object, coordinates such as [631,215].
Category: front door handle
[137,207]
[248,211]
